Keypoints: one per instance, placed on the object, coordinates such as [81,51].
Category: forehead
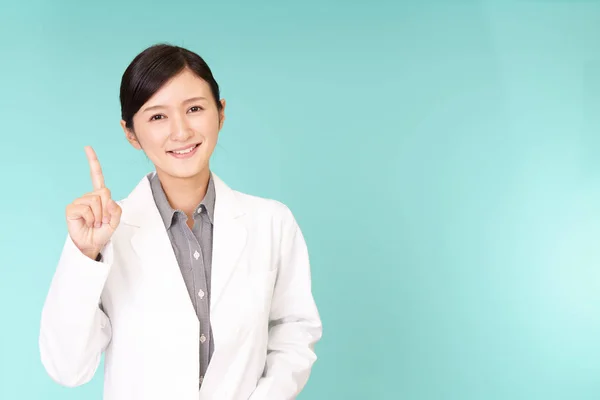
[181,87]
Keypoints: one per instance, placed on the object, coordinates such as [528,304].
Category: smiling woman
[171,108]
[192,289]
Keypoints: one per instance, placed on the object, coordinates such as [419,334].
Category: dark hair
[151,69]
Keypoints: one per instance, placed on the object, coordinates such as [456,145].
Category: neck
[185,193]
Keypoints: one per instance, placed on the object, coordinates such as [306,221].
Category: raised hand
[93,218]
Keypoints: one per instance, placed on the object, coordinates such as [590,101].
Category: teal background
[441,158]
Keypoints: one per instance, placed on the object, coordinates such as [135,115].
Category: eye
[156,117]
[196,109]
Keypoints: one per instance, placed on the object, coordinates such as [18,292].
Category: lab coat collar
[151,242]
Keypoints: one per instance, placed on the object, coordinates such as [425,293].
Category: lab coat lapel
[151,243]
[229,240]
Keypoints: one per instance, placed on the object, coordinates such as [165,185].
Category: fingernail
[98,224]
[105,220]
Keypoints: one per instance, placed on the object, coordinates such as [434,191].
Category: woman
[191,289]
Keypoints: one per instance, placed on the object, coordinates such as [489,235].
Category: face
[178,127]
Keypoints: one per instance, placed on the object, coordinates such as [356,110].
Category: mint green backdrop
[442,159]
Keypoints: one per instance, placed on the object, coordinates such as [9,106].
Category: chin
[183,169]
[185,173]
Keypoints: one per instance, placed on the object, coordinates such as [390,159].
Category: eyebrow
[158,106]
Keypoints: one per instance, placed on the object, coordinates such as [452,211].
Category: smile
[186,152]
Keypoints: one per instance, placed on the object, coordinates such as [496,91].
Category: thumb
[115,214]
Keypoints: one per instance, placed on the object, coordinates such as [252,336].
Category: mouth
[185,152]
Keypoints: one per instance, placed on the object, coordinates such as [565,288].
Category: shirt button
[201,379]
[196,254]
[202,338]
[200,210]
[201,294]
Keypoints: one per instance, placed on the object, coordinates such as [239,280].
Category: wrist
[93,254]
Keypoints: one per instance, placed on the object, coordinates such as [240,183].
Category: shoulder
[270,218]
[262,207]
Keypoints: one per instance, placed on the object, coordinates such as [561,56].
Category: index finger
[95,169]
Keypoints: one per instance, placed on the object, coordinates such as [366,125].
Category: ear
[222,113]
[130,135]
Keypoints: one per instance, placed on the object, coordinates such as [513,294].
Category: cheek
[153,138]
[207,125]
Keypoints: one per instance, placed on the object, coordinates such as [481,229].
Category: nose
[180,129]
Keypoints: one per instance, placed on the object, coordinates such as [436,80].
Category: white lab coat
[135,308]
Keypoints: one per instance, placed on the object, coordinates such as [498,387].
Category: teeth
[184,151]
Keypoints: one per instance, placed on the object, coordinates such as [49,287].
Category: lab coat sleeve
[295,325]
[74,331]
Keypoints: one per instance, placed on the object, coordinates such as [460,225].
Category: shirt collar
[167,213]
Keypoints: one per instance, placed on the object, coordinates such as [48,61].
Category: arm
[74,331]
[295,325]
